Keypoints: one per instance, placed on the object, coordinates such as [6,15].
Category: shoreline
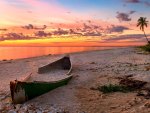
[90,70]
[3,60]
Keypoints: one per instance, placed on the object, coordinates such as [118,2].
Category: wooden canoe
[31,87]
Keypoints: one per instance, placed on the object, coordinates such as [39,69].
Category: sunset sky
[67,22]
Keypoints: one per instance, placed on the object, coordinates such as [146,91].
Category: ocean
[7,53]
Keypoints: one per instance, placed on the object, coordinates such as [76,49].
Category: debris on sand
[137,85]
[131,83]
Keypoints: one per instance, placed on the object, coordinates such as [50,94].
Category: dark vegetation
[146,48]
[125,85]
[114,88]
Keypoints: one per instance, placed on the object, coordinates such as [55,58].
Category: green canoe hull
[23,91]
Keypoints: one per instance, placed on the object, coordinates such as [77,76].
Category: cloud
[118,29]
[131,37]
[85,30]
[14,36]
[132,1]
[92,34]
[41,28]
[124,16]
[3,29]
[147,3]
[86,27]
[44,26]
[30,26]
[131,12]
[60,31]
[21,36]
[90,27]
[42,34]
[72,31]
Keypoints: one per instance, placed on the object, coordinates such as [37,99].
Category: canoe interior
[22,91]
[63,63]
[54,71]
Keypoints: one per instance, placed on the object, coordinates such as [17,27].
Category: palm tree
[142,23]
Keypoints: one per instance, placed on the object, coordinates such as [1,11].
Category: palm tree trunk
[146,37]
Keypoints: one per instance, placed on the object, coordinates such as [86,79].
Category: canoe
[35,85]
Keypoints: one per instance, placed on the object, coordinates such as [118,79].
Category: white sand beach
[90,70]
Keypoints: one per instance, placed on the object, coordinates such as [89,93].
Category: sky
[25,22]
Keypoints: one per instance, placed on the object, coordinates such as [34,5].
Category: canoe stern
[17,92]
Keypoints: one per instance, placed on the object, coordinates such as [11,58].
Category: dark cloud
[3,29]
[21,36]
[123,16]
[44,26]
[86,26]
[132,37]
[42,34]
[2,38]
[92,34]
[14,36]
[97,27]
[132,1]
[90,27]
[131,12]
[41,28]
[68,12]
[147,3]
[89,21]
[60,31]
[87,30]
[72,31]
[118,29]
[78,29]
[30,26]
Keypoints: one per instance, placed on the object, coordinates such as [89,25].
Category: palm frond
[138,24]
[142,22]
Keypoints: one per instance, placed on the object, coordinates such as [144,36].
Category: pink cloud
[40,13]
[43,12]
[11,15]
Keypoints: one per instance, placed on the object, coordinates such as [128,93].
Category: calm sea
[26,52]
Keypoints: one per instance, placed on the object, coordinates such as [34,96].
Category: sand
[90,69]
